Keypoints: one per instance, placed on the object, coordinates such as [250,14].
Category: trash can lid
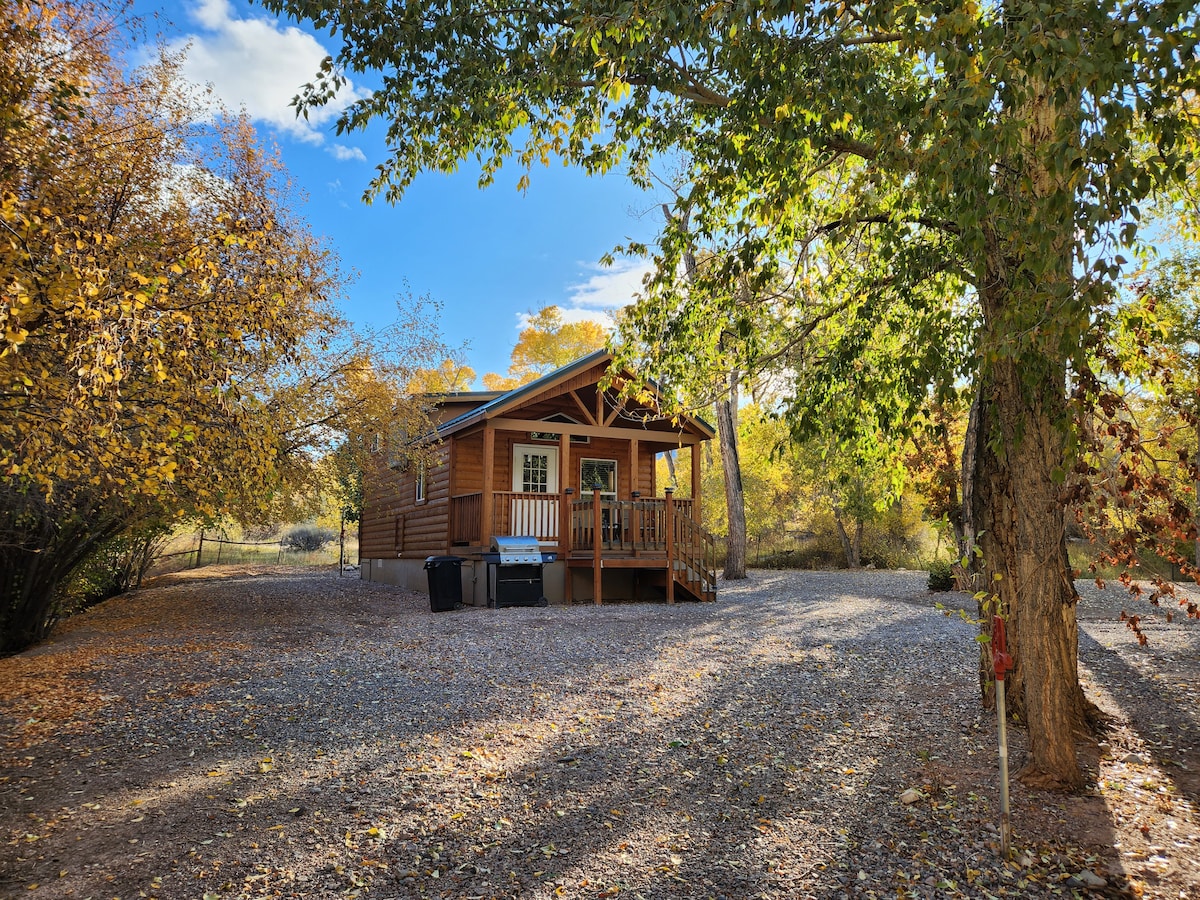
[431,561]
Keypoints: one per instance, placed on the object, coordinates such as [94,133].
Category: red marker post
[1001,664]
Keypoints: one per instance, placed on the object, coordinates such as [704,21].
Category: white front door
[535,471]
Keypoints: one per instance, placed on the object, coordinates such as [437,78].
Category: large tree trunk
[1021,524]
[40,546]
[735,495]
[672,478]
[1033,319]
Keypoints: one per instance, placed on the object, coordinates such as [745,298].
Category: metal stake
[1003,729]
[1001,663]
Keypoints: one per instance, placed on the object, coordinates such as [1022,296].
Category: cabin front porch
[656,540]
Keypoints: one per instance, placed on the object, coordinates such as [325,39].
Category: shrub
[307,538]
[814,556]
[115,566]
[941,575]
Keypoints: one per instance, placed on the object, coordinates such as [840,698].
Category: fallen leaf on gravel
[755,747]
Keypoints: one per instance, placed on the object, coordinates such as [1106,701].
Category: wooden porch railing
[466,511]
[624,524]
[595,525]
[513,512]
[516,512]
[658,525]
[693,557]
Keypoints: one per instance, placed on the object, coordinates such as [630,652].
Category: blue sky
[488,256]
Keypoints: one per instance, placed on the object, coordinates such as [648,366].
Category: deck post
[597,551]
[670,526]
[488,501]
[564,543]
[564,502]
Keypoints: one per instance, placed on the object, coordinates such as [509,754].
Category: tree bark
[671,477]
[847,549]
[1022,536]
[735,495]
[1032,318]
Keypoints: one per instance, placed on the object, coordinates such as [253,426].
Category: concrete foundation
[618,583]
[410,574]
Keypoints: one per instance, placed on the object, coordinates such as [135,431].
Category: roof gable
[571,379]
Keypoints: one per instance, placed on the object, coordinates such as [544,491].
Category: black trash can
[445,582]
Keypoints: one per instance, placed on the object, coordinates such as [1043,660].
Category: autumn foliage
[157,298]
[547,342]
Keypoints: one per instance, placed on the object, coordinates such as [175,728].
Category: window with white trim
[601,472]
[420,484]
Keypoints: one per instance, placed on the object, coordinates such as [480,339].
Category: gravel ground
[257,732]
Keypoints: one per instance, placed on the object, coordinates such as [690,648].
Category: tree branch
[885,219]
[886,38]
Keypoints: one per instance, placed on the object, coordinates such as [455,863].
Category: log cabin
[564,459]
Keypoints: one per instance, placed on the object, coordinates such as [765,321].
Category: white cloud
[259,65]
[571,314]
[344,153]
[608,287]
[605,290]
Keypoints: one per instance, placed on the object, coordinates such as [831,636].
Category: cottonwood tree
[452,375]
[168,345]
[547,342]
[991,139]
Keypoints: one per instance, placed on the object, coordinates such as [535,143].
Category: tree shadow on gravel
[1167,721]
[247,718]
[252,738]
[771,780]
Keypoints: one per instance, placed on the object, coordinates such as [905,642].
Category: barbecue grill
[515,569]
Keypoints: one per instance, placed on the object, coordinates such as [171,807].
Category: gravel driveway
[244,733]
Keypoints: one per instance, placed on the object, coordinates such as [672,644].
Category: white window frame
[587,488]
[419,484]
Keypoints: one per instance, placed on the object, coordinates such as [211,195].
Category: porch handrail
[695,557]
[644,524]
[625,524]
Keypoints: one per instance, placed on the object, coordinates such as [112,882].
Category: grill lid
[517,550]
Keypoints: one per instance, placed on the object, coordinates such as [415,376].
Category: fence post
[199,550]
